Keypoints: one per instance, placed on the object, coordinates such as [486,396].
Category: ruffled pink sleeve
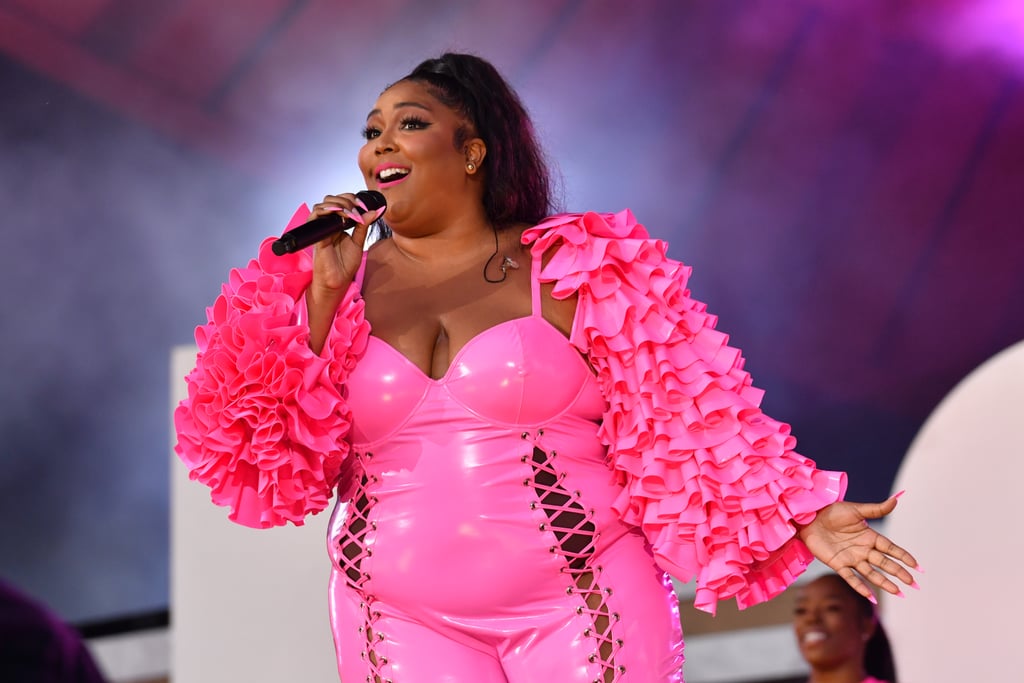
[265,422]
[713,482]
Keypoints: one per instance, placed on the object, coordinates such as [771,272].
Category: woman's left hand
[840,537]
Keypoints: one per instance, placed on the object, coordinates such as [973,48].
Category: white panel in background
[745,655]
[136,656]
[246,605]
[961,517]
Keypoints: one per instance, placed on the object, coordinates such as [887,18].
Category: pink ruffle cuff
[265,424]
[714,484]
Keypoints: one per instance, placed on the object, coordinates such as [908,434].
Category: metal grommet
[525,435]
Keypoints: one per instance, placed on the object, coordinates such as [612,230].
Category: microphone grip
[310,233]
[322,227]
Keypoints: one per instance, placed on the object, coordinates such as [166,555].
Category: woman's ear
[868,626]
[475,151]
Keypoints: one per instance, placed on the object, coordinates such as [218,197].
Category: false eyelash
[370,132]
[414,121]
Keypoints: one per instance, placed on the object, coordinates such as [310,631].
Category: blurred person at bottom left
[36,646]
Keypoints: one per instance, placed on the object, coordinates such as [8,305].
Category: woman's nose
[809,616]
[385,143]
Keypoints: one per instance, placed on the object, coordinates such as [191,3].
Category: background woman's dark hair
[878,659]
[518,182]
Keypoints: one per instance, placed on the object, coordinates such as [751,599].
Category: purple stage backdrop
[846,182]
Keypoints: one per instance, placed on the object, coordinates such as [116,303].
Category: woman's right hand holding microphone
[336,261]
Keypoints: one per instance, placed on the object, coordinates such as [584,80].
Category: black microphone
[322,227]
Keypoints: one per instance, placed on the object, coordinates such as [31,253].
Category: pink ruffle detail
[713,482]
[264,424]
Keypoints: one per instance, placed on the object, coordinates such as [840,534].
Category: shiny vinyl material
[475,539]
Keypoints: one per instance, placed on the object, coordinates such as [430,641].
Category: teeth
[814,637]
[388,173]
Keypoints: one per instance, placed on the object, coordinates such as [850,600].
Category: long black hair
[518,186]
[878,657]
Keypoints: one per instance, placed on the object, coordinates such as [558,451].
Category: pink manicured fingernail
[900,493]
[873,599]
[899,594]
[360,204]
[913,584]
[354,215]
[919,568]
[335,208]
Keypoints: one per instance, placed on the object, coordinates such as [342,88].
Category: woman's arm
[715,485]
[265,424]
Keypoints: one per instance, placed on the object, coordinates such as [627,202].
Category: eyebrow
[399,105]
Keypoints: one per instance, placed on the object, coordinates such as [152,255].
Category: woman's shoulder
[579,227]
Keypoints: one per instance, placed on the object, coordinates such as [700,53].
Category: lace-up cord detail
[375,662]
[576,535]
[353,551]
[353,543]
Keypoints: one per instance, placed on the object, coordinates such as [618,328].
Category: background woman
[839,634]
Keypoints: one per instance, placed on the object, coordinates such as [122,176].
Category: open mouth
[392,174]
[812,637]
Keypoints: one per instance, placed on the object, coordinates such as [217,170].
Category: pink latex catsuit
[479,542]
[514,519]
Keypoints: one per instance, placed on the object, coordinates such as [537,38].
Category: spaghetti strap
[535,265]
[361,272]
